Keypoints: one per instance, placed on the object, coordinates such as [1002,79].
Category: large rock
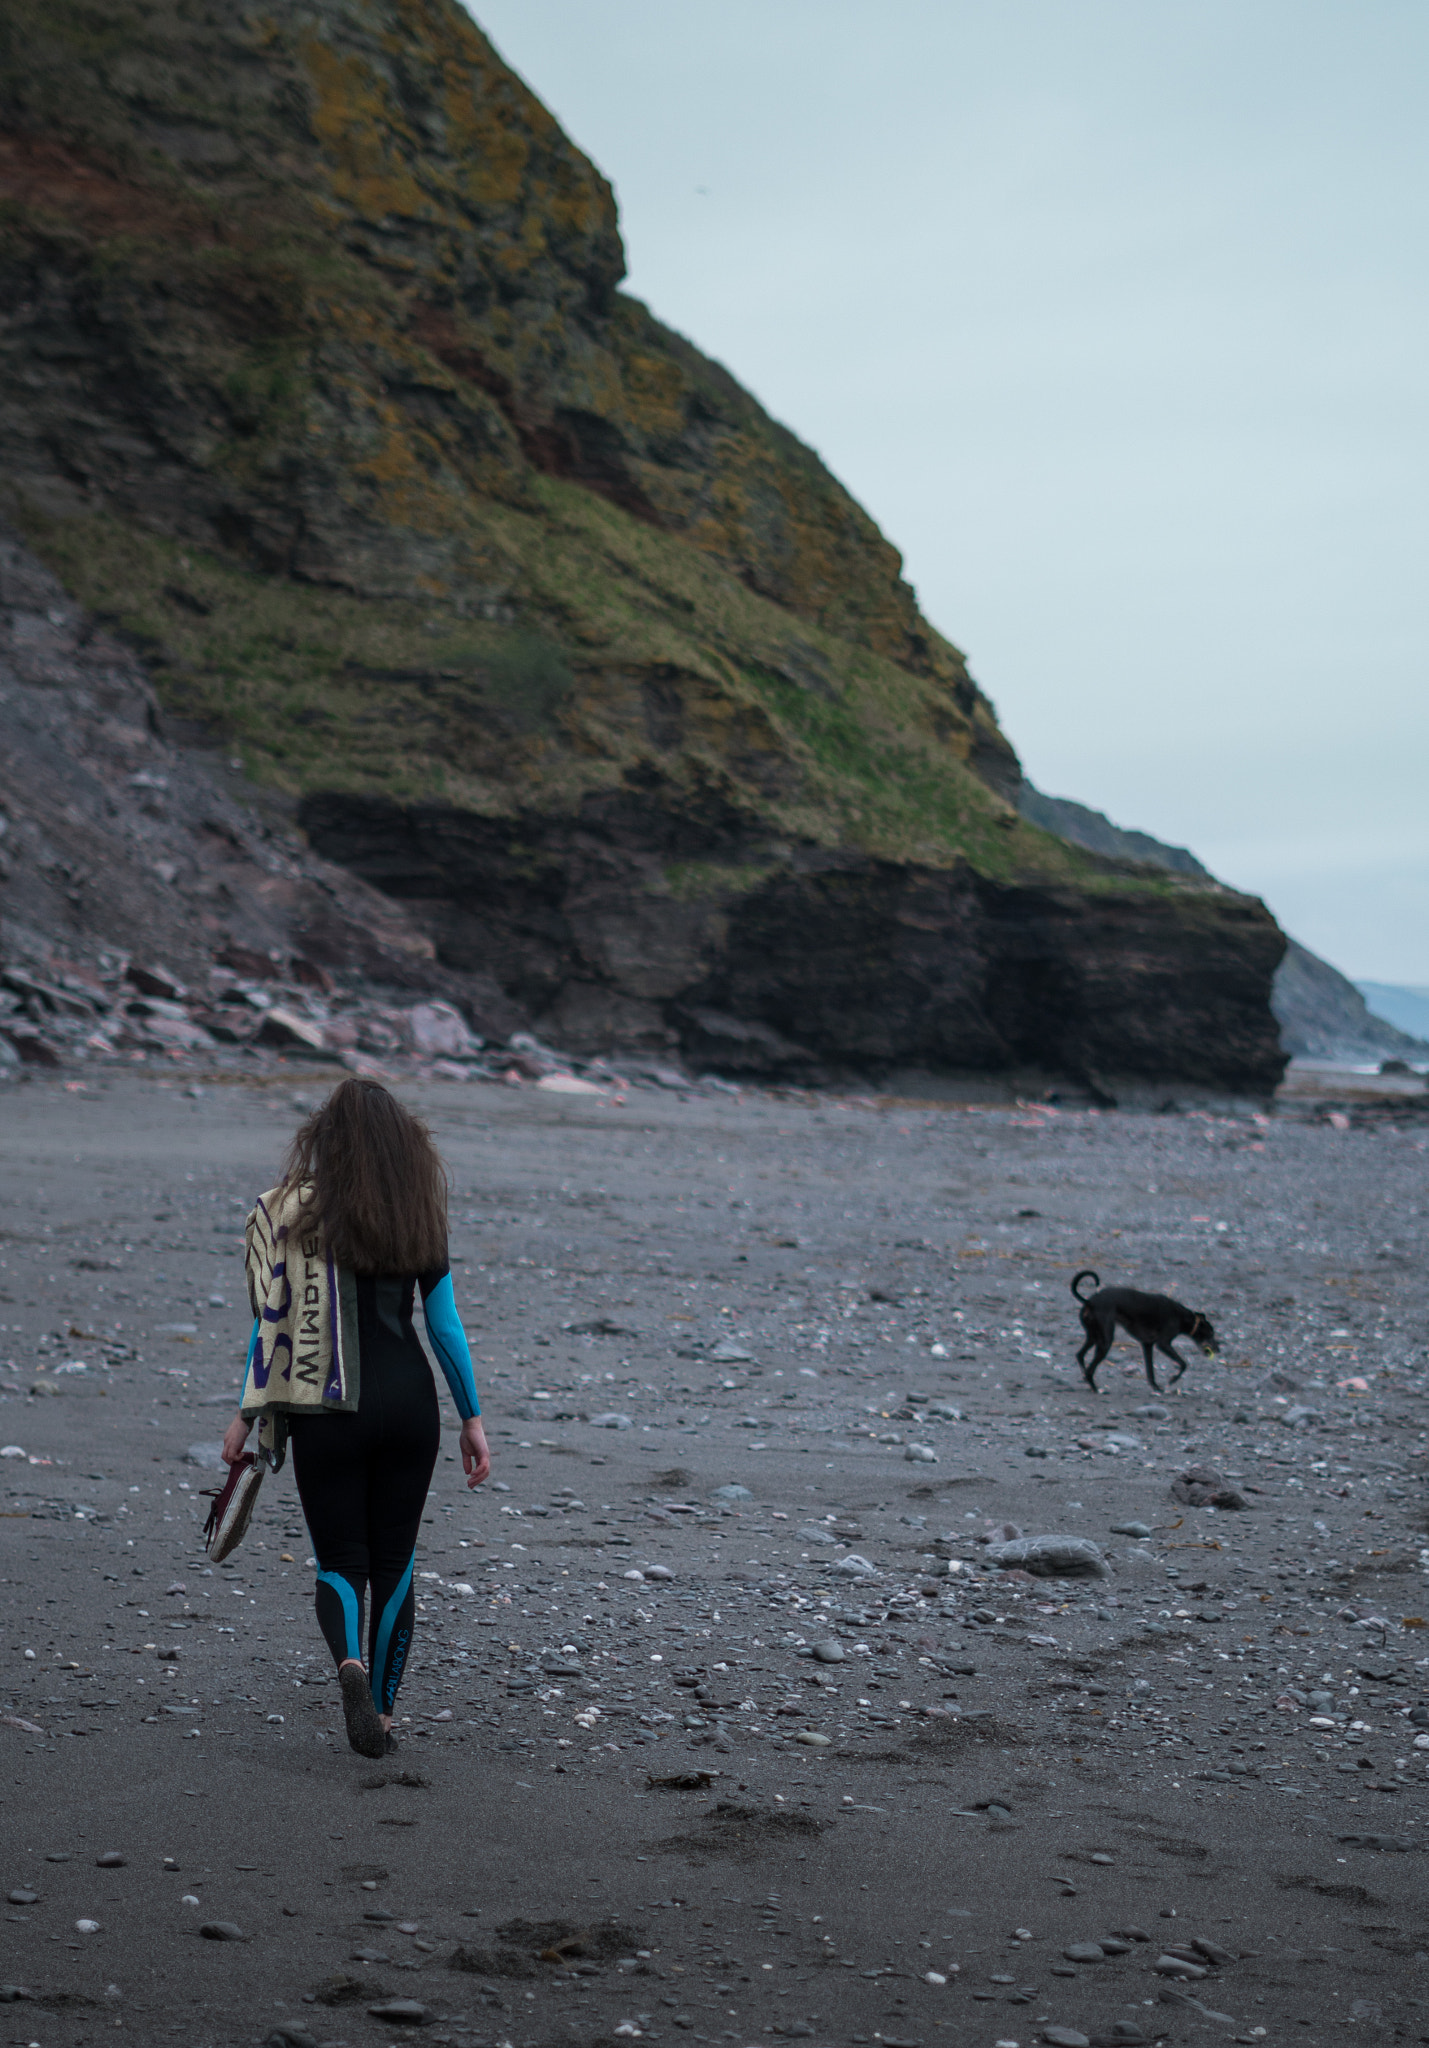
[830,961]
[318,383]
[1202,1486]
[439,1029]
[1050,1557]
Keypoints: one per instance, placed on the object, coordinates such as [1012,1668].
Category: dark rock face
[1321,1014]
[793,963]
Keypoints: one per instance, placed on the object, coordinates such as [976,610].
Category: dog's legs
[1089,1372]
[1150,1368]
[1181,1363]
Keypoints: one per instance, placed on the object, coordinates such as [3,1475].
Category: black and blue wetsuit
[363,1477]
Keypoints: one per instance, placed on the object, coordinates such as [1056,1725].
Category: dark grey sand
[996,1753]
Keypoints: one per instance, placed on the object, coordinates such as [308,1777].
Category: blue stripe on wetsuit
[351,1611]
[450,1345]
[248,1360]
[389,1658]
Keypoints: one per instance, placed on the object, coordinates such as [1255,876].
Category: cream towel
[304,1356]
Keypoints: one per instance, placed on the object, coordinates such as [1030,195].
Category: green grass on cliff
[320,688]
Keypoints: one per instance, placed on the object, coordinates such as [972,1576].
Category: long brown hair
[378,1186]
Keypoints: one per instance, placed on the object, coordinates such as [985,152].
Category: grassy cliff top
[317,379]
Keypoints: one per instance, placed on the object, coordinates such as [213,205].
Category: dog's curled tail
[1085,1274]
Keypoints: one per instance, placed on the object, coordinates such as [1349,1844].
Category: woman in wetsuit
[364,1185]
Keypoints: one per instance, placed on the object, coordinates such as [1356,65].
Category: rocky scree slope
[117,843]
[317,384]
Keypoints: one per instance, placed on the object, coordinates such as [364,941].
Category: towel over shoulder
[304,1358]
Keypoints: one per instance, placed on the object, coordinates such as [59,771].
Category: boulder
[439,1030]
[249,961]
[28,1046]
[1202,1486]
[155,981]
[289,1032]
[1051,1557]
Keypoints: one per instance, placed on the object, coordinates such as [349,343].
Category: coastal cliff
[318,388]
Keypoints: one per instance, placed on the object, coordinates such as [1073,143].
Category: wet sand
[1215,1743]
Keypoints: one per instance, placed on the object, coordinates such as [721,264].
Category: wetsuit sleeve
[248,1357]
[449,1340]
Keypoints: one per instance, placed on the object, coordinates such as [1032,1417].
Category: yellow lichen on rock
[393,352]
[355,121]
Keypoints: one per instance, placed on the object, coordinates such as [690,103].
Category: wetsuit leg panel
[339,1608]
[392,1627]
[330,1466]
[397,1486]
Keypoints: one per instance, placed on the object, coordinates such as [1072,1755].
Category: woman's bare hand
[235,1440]
[475,1455]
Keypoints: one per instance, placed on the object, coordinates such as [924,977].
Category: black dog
[1154,1320]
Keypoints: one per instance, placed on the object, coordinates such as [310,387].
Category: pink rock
[286,1029]
[438,1029]
[310,973]
[245,960]
[179,1031]
[33,1050]
[155,981]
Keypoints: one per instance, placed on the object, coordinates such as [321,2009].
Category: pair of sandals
[364,1724]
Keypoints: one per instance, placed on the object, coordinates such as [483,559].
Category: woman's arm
[236,1435]
[449,1341]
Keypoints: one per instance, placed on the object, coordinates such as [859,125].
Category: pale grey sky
[1113,314]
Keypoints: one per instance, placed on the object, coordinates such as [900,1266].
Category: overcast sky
[1113,314]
